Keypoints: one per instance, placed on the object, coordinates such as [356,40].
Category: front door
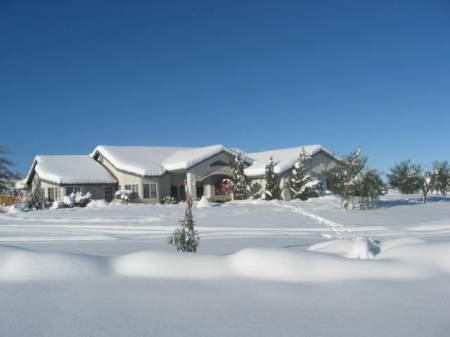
[108,194]
[182,193]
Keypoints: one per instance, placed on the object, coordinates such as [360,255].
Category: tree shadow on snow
[410,201]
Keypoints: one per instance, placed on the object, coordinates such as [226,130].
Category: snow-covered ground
[263,269]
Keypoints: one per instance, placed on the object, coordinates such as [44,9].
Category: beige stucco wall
[163,182]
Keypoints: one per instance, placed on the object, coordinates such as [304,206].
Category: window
[72,189]
[153,191]
[146,188]
[134,188]
[51,193]
[149,191]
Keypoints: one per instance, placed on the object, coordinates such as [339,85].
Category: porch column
[191,185]
[285,194]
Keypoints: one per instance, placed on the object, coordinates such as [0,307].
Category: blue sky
[251,74]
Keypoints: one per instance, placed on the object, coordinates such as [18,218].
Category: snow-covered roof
[285,159]
[71,169]
[154,160]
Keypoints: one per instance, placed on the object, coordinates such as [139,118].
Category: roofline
[224,149]
[322,149]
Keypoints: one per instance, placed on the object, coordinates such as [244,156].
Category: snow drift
[324,262]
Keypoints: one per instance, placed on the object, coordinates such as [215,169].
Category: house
[154,172]
[320,162]
[54,177]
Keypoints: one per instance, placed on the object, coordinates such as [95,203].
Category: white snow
[264,268]
[285,158]
[203,202]
[73,169]
[154,160]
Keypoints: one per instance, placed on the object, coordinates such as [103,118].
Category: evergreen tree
[297,182]
[185,238]
[370,188]
[271,189]
[410,178]
[240,187]
[354,183]
[406,177]
[442,176]
[7,178]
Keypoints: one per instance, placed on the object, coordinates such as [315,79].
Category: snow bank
[171,265]
[97,204]
[406,261]
[26,265]
[55,205]
[357,248]
[13,210]
[203,203]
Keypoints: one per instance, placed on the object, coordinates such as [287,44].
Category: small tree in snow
[240,187]
[298,181]
[441,172]
[427,181]
[271,189]
[185,238]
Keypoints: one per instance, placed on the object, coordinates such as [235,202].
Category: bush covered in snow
[124,196]
[77,199]
[29,200]
[167,200]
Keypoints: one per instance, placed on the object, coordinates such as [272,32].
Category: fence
[7,200]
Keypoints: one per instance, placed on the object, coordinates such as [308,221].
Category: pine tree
[240,186]
[185,238]
[409,178]
[271,189]
[297,182]
[7,178]
[405,177]
[442,176]
[354,183]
